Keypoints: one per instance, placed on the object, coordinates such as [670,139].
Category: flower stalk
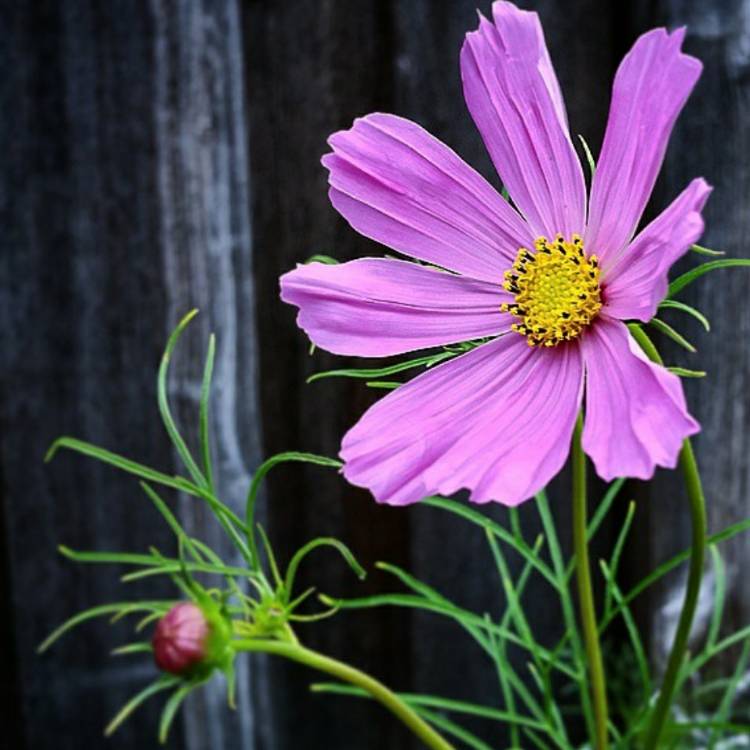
[696,499]
[586,594]
[341,671]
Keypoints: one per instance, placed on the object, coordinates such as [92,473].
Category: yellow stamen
[556,291]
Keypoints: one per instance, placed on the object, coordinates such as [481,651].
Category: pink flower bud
[180,640]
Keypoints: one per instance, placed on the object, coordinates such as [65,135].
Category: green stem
[344,672]
[586,594]
[697,502]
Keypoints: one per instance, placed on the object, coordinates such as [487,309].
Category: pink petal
[651,86]
[395,183]
[637,281]
[375,307]
[514,97]
[496,420]
[636,417]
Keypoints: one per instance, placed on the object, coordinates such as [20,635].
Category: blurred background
[157,156]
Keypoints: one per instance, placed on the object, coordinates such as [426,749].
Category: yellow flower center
[556,291]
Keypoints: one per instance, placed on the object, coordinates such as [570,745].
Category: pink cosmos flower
[550,282]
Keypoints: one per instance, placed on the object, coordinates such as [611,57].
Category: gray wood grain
[126,191]
[206,255]
[161,155]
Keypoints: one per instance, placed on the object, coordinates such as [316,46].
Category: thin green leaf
[515,524]
[552,710]
[516,613]
[566,601]
[453,729]
[432,701]
[171,520]
[118,608]
[208,371]
[686,726]
[383,385]
[670,332]
[163,683]
[685,373]
[170,710]
[112,558]
[720,595]
[318,258]
[163,401]
[315,616]
[259,476]
[224,515]
[299,556]
[589,156]
[381,372]
[673,304]
[705,251]
[443,607]
[271,557]
[670,565]
[431,594]
[142,647]
[113,459]
[602,511]
[635,640]
[153,561]
[618,548]
[144,622]
[477,518]
[536,739]
[710,653]
[502,665]
[231,677]
[688,278]
[730,694]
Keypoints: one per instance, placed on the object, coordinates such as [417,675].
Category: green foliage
[252,601]
[537,716]
[542,687]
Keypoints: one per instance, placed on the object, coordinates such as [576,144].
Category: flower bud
[181,639]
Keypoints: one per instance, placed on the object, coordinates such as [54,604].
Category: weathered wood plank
[205,255]
[127,196]
[83,319]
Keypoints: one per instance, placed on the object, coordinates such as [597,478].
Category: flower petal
[496,420]
[637,281]
[398,185]
[375,307]
[636,417]
[514,97]
[651,86]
